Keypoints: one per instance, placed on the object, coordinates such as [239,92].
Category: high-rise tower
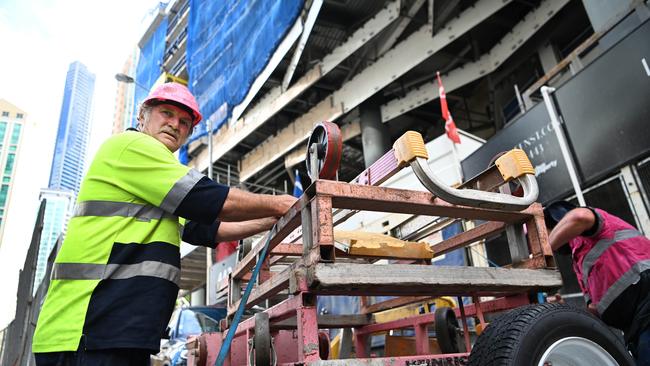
[12,120]
[74,129]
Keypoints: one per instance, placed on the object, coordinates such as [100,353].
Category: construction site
[414,241]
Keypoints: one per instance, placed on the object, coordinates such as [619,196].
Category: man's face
[168,124]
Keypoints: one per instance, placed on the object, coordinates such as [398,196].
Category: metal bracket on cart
[410,150]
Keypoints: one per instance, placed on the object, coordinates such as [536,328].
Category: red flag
[450,126]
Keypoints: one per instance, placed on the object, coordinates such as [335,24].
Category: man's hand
[229,231]
[593,309]
[284,203]
[242,206]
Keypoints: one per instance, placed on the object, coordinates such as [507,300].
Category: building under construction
[265,73]
[271,76]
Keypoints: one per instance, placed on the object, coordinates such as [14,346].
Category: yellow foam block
[408,147]
[514,164]
[379,245]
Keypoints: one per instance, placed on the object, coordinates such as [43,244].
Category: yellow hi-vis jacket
[115,278]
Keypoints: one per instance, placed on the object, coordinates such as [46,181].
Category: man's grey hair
[143,112]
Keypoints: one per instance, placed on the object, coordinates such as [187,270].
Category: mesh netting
[228,44]
[149,63]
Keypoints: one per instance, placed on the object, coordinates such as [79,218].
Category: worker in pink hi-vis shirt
[611,260]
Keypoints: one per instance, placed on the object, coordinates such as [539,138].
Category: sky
[39,39]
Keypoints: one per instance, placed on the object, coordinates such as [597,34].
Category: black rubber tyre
[447,330]
[521,336]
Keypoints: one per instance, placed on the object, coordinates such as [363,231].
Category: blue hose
[225,347]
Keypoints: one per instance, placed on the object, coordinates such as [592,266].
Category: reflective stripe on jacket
[610,260]
[115,278]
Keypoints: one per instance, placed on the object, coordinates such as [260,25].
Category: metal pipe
[550,108]
[208,123]
[208,253]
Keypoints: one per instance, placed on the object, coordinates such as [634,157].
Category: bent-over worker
[611,260]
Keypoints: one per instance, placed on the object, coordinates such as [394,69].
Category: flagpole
[546,93]
[456,156]
[450,128]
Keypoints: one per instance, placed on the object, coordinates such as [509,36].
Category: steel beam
[389,38]
[396,62]
[489,62]
[306,31]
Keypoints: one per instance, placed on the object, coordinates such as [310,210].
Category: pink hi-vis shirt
[609,261]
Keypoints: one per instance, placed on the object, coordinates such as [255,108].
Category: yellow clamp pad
[408,147]
[514,164]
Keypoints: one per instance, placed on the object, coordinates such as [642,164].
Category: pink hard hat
[176,94]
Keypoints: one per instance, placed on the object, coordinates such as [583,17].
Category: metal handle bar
[473,197]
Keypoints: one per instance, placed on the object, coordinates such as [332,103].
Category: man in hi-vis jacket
[611,260]
[115,279]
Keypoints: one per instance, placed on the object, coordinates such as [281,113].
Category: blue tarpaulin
[229,43]
[149,65]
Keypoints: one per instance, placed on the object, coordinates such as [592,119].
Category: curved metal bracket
[473,197]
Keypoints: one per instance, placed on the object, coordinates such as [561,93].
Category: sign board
[606,107]
[533,133]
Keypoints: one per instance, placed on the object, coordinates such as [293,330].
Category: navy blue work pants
[104,357]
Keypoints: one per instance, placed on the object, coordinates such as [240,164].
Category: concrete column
[547,56]
[375,137]
[197,298]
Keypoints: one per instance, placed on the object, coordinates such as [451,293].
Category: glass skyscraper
[12,120]
[68,161]
[74,129]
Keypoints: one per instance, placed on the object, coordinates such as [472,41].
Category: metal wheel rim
[576,351]
[329,135]
[251,356]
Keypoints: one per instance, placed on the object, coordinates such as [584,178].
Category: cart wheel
[328,142]
[548,334]
[323,345]
[448,331]
[262,340]
[243,248]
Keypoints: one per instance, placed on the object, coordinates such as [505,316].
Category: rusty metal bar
[288,249]
[393,303]
[284,310]
[488,180]
[444,359]
[537,234]
[322,228]
[421,339]
[267,289]
[369,198]
[306,317]
[502,303]
[327,321]
[468,237]
[490,306]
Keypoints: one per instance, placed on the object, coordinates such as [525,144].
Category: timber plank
[404,279]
